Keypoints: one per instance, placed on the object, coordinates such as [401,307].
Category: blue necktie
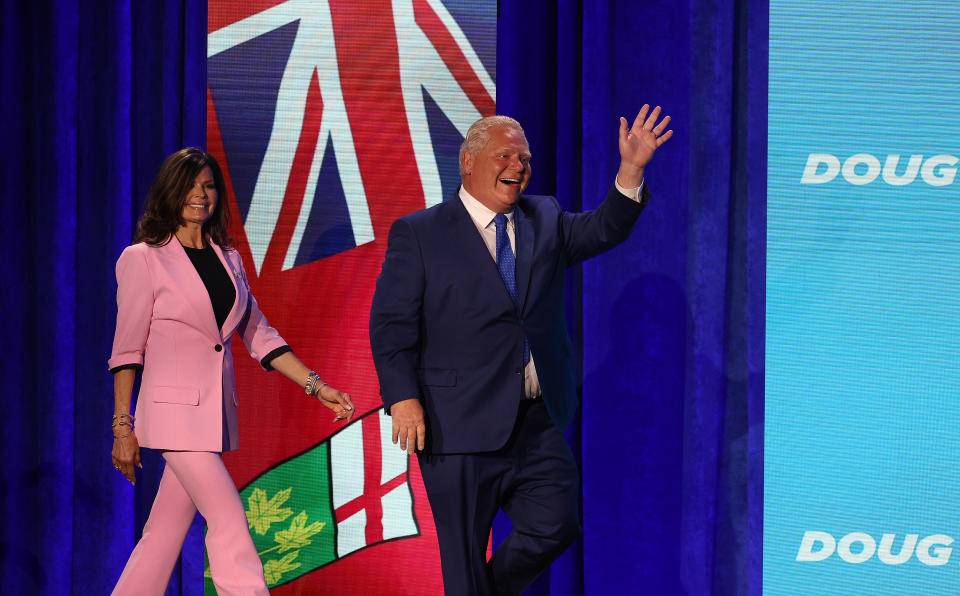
[507,265]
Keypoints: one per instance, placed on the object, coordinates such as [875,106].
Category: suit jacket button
[218,348]
[517,371]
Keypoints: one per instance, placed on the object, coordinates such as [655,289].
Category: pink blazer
[165,323]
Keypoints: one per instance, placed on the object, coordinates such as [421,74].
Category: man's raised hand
[638,143]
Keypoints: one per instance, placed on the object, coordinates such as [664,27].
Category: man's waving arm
[592,232]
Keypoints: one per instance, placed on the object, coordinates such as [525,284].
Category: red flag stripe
[372,470]
[356,505]
[229,14]
[297,182]
[453,57]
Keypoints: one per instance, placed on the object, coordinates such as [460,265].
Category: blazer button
[218,348]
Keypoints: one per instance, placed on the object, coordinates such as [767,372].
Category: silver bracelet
[121,420]
[319,386]
[311,384]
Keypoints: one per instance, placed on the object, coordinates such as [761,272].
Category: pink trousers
[195,481]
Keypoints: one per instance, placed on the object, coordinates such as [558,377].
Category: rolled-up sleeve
[134,310]
[266,361]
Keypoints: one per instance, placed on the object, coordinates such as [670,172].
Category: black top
[222,296]
[221,291]
[215,279]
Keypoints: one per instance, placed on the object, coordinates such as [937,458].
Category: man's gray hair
[478,135]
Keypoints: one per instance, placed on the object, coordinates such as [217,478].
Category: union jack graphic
[331,118]
[276,81]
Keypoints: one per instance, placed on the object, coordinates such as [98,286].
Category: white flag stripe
[253,26]
[346,464]
[352,533]
[464,44]
[334,125]
[314,49]
[347,468]
[421,67]
[398,513]
[271,184]
[393,459]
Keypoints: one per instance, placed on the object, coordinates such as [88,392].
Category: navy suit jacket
[444,329]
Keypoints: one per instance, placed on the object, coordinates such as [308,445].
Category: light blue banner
[862,448]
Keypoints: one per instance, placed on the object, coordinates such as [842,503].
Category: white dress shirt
[483,219]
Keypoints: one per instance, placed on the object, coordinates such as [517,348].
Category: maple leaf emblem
[263,512]
[274,569]
[298,534]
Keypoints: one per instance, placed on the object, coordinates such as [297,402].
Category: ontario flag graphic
[331,119]
[320,505]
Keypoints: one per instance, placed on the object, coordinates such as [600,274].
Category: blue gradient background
[862,425]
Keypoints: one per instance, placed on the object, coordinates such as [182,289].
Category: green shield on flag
[292,526]
[292,508]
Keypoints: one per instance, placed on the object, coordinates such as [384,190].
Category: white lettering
[864,168]
[941,554]
[890,170]
[859,547]
[945,176]
[886,546]
[850,169]
[810,539]
[865,552]
[810,175]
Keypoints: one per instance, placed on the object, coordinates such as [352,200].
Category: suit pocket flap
[188,396]
[438,377]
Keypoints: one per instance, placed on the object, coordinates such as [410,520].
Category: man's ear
[467,160]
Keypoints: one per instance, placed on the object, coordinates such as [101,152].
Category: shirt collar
[479,213]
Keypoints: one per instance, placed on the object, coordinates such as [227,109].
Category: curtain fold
[669,326]
[94,95]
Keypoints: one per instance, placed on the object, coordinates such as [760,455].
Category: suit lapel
[188,282]
[523,229]
[466,236]
[240,304]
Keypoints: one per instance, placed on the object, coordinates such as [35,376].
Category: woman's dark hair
[163,208]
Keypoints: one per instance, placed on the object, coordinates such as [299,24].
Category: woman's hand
[126,455]
[338,401]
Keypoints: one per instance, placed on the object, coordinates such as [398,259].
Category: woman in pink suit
[181,294]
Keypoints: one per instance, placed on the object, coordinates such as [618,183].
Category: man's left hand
[638,142]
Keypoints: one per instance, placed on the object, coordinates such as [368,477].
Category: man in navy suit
[475,364]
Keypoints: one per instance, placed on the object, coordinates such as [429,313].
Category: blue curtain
[94,95]
[670,325]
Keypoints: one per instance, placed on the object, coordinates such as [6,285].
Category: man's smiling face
[499,173]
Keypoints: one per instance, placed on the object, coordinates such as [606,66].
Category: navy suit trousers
[533,478]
